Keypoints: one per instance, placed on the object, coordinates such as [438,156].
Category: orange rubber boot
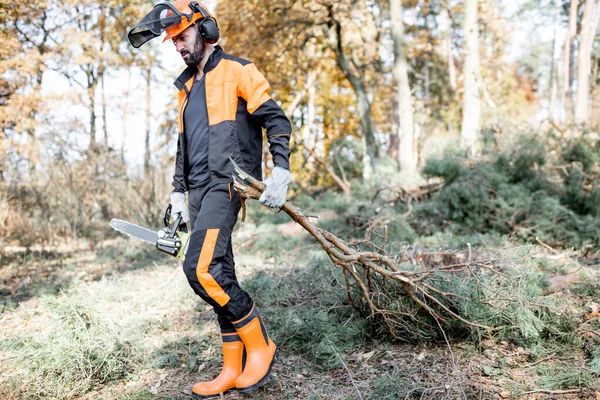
[233,359]
[260,352]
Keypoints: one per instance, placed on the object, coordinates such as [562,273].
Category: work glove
[276,188]
[178,206]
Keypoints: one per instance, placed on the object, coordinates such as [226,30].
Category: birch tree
[406,154]
[471,118]
[589,24]
[568,50]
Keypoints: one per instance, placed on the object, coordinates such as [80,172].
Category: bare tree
[471,119]
[406,153]
[35,31]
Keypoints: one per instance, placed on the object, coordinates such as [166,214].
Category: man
[223,106]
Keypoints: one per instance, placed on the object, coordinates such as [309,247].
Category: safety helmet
[174,18]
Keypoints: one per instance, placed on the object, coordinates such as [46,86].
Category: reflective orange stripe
[207,281]
[182,100]
[181,105]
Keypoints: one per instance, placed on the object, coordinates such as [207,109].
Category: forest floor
[65,307]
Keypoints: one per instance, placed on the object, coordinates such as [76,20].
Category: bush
[307,312]
[449,167]
[527,193]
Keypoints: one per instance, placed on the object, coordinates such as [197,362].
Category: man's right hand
[178,206]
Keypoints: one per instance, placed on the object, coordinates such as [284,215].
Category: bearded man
[224,104]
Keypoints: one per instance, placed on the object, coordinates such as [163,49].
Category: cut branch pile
[381,284]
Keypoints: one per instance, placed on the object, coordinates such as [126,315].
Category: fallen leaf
[594,311]
[156,386]
[367,356]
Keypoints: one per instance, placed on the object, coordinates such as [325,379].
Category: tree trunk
[553,83]
[426,81]
[595,73]
[91,96]
[309,130]
[394,142]
[589,23]
[363,103]
[407,158]
[370,153]
[308,86]
[446,28]
[311,113]
[565,98]
[553,97]
[104,127]
[311,81]
[471,118]
[595,106]
[148,118]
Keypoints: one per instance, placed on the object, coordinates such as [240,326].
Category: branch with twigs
[369,273]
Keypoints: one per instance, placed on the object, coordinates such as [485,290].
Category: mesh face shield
[162,16]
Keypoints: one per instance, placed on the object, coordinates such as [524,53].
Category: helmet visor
[162,16]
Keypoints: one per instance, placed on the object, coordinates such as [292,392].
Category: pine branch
[376,269]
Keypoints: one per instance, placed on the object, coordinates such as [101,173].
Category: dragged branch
[379,282]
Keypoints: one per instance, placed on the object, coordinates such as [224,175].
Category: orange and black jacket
[238,107]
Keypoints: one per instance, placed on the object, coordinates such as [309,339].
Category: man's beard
[197,54]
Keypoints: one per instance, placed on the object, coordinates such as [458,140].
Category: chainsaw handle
[177,224]
[167,216]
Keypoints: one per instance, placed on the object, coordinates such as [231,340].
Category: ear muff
[209,30]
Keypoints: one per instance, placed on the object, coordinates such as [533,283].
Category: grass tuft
[81,351]
[595,362]
[564,376]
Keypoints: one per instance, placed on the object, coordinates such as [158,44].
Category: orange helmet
[174,18]
[194,8]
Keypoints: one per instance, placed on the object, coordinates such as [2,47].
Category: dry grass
[328,351]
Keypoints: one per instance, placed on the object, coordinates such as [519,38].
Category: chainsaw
[172,239]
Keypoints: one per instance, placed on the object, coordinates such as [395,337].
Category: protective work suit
[224,104]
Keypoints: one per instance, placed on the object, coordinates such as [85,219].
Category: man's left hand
[277,186]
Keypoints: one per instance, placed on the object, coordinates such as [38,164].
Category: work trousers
[209,265]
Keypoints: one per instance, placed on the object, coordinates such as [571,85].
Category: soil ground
[148,298]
